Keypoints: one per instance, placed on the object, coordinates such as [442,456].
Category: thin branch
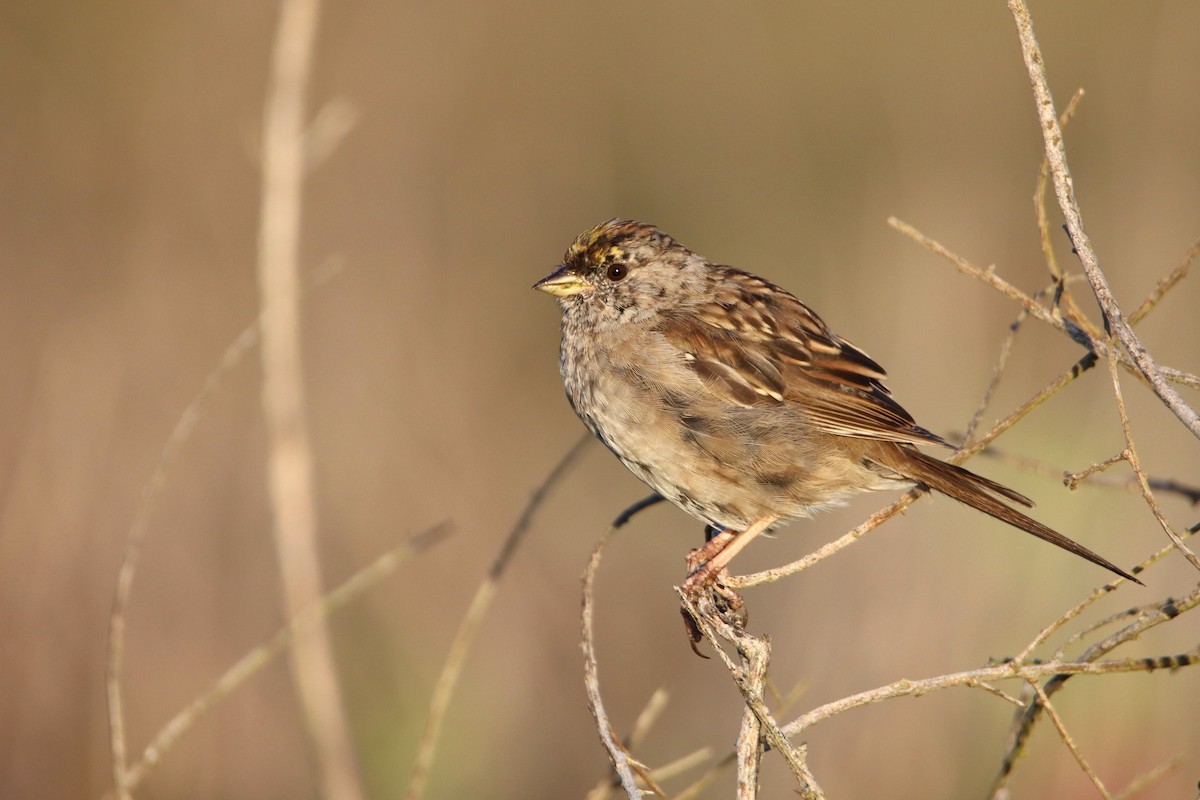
[749,755]
[253,662]
[1112,619]
[749,675]
[992,690]
[122,780]
[447,680]
[1071,479]
[1132,457]
[1044,634]
[692,792]
[1067,299]
[1035,309]
[1166,284]
[997,373]
[290,459]
[641,728]
[785,702]
[1143,781]
[1149,618]
[1067,739]
[645,720]
[1065,190]
[135,538]
[682,765]
[591,672]
[827,550]
[972,678]
[1090,477]
[987,276]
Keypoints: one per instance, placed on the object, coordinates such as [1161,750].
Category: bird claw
[706,590]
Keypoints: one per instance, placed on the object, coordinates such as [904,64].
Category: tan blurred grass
[776,139]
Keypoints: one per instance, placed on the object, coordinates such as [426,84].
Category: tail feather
[978,492]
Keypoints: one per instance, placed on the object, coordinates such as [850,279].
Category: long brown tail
[978,492]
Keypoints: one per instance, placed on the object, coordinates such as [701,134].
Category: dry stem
[973,678]
[1130,455]
[253,662]
[1067,739]
[1066,299]
[1065,190]
[1090,475]
[123,781]
[1035,309]
[447,680]
[290,460]
[591,681]
[749,673]
[1147,618]
[127,778]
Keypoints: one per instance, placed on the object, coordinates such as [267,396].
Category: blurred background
[774,136]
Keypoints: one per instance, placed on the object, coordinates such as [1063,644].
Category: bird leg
[707,566]
[735,544]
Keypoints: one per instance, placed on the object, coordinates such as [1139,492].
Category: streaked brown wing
[758,346]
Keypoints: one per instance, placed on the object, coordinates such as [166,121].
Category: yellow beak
[563,282]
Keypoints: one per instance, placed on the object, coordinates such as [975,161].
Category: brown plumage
[732,399]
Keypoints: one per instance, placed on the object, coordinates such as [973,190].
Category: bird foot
[706,590]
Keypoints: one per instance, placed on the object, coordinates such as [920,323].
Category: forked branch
[1064,188]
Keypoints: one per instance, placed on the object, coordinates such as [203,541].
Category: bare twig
[641,728]
[1166,284]
[749,675]
[290,460]
[972,678]
[184,427]
[591,680]
[997,373]
[987,276]
[827,550]
[1124,615]
[1066,298]
[1061,727]
[1148,618]
[1071,479]
[1065,190]
[1090,477]
[992,690]
[252,662]
[1155,613]
[447,680]
[749,755]
[706,780]
[1143,781]
[645,720]
[681,765]
[123,782]
[1131,456]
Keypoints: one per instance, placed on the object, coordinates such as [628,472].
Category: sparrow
[734,400]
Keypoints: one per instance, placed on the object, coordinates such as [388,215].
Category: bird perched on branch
[734,400]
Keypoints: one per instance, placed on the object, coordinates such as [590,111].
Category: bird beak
[563,282]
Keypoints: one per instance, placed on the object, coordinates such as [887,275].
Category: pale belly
[733,468]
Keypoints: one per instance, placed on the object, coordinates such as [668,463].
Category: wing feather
[757,346]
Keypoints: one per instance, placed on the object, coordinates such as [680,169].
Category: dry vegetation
[397,402]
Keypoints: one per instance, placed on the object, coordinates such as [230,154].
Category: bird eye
[616,272]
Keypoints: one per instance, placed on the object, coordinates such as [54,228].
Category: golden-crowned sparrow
[732,399]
